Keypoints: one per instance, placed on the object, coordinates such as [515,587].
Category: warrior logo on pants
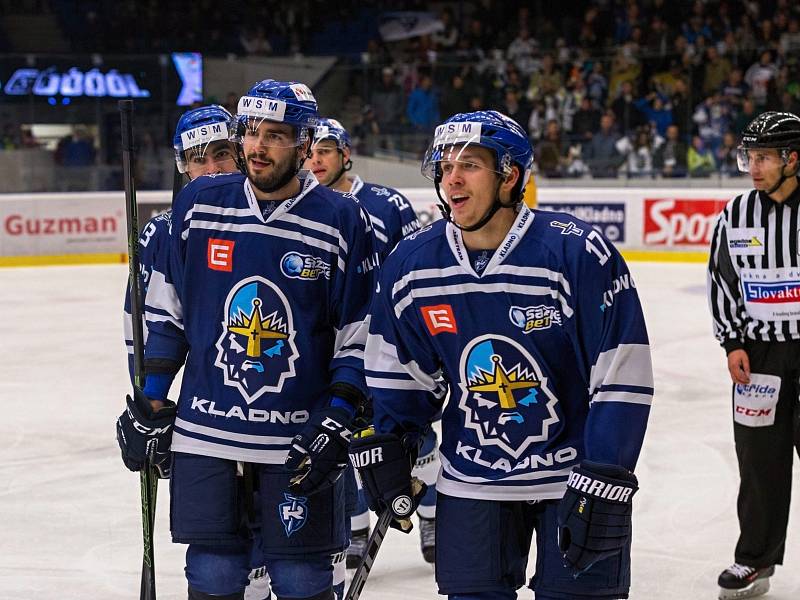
[505,396]
[256,349]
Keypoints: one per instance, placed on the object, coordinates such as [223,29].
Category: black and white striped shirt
[754,271]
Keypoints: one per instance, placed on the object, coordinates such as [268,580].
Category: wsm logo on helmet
[293,513]
[256,349]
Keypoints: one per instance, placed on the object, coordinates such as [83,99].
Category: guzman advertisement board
[57,226]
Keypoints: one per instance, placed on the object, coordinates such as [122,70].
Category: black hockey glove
[384,464]
[319,451]
[145,435]
[594,516]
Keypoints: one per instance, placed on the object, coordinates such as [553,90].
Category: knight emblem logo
[505,396]
[256,350]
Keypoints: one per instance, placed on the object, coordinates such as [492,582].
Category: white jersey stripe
[627,364]
[481,288]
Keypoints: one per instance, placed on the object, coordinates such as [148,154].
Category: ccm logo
[439,319]
[220,255]
[753,412]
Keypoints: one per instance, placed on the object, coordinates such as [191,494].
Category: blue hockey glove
[594,516]
[144,435]
[384,464]
[319,451]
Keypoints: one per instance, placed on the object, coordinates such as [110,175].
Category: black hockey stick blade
[373,545]
[365,566]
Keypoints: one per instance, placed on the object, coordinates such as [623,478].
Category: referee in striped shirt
[754,296]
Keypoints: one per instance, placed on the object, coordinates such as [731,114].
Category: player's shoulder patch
[422,238]
[334,197]
[379,190]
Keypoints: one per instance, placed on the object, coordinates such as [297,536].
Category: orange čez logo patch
[220,254]
[439,319]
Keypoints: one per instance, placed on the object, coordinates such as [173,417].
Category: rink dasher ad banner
[60,225]
[608,219]
[680,222]
[50,225]
[75,228]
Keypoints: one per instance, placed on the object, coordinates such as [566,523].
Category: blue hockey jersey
[269,310]
[545,355]
[152,244]
[392,215]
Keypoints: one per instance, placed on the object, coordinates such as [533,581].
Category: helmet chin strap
[346,166]
[497,204]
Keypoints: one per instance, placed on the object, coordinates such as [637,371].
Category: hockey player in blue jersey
[392,218]
[531,321]
[263,295]
[201,147]
[391,213]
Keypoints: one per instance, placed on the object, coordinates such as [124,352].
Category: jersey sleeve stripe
[627,364]
[627,397]
[381,357]
[162,296]
[395,384]
[157,318]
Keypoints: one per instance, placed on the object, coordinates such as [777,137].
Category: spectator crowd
[607,88]
[638,88]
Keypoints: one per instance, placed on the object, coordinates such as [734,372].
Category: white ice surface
[69,511]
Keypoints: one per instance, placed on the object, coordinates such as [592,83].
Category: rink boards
[661,224]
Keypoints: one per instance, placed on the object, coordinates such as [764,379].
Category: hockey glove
[384,465]
[319,451]
[144,435]
[594,516]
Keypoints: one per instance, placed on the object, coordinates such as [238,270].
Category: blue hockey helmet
[197,129]
[287,102]
[331,129]
[488,129]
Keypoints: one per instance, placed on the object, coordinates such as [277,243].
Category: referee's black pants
[765,457]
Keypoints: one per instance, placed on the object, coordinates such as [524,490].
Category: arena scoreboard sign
[178,76]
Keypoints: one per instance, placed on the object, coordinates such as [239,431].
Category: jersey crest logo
[439,319]
[293,513]
[534,318]
[256,350]
[505,396]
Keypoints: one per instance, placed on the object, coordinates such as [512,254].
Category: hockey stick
[148,479]
[374,544]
